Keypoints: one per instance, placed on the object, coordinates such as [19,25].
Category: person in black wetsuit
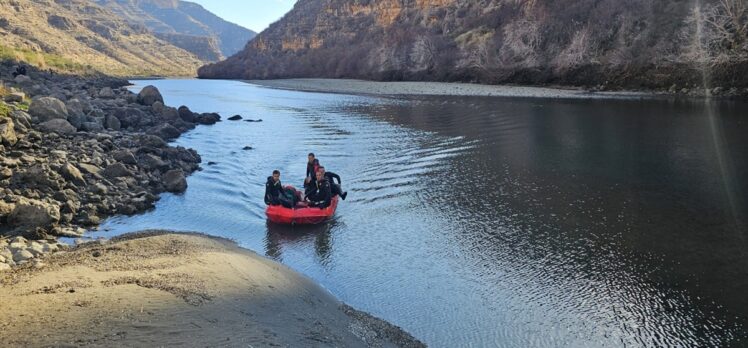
[310,170]
[273,189]
[320,196]
[336,189]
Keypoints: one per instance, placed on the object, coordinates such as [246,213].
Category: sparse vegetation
[44,60]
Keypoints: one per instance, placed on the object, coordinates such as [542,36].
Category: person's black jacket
[273,190]
[330,176]
[310,172]
[321,196]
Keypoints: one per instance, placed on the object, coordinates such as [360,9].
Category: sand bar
[166,289]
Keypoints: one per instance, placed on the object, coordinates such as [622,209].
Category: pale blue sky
[252,14]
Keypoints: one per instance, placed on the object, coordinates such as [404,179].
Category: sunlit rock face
[606,43]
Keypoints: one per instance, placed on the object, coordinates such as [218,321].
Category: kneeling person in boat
[335,189]
[320,196]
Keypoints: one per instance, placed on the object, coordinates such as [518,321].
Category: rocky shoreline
[76,150]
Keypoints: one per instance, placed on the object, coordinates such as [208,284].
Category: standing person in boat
[335,189]
[320,196]
[311,170]
[275,194]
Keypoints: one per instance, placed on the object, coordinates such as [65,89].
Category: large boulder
[112,123]
[32,213]
[130,117]
[7,132]
[22,80]
[116,170]
[148,140]
[174,181]
[48,108]
[165,131]
[124,156]
[208,118]
[58,125]
[72,174]
[186,114]
[92,127]
[169,114]
[106,93]
[149,95]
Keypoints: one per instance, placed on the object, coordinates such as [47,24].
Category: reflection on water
[316,237]
[491,221]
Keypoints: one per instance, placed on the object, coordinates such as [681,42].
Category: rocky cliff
[79,35]
[184,24]
[660,44]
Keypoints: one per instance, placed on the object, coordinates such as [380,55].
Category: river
[478,221]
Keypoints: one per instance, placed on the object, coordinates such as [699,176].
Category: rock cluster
[86,149]
[19,251]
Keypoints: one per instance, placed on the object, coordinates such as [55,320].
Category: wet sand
[158,288]
[437,88]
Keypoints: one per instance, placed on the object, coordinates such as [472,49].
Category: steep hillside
[182,20]
[79,35]
[606,43]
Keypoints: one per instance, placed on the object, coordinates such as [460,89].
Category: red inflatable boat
[301,216]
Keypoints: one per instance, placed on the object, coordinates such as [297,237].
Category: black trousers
[336,189]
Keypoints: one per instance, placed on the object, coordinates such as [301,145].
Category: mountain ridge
[181,20]
[608,44]
[81,36]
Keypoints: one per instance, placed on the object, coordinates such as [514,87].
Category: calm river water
[490,221]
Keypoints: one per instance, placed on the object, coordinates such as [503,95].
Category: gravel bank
[436,88]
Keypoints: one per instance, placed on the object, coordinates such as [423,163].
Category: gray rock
[72,174]
[174,181]
[22,80]
[149,140]
[117,170]
[6,209]
[165,131]
[33,213]
[21,117]
[22,255]
[235,118]
[76,120]
[169,114]
[152,162]
[124,156]
[113,123]
[89,168]
[185,114]
[14,97]
[48,108]
[149,95]
[58,125]
[76,106]
[158,107]
[92,127]
[106,93]
[208,119]
[7,132]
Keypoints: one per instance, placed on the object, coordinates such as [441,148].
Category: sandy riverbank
[437,88]
[167,289]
